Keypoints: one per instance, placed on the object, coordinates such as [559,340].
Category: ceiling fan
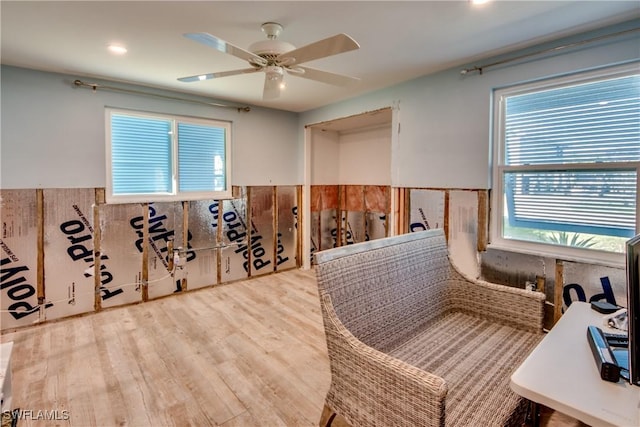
[275,58]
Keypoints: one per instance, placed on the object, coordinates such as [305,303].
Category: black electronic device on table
[632,248]
[610,352]
[604,307]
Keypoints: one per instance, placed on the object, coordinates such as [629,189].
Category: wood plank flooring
[249,353]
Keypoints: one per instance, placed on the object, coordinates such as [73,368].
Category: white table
[561,374]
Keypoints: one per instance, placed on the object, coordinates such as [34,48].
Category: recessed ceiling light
[479,2]
[117,49]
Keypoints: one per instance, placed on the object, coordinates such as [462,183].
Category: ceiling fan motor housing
[270,49]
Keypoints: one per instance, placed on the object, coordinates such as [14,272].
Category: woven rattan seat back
[383,306]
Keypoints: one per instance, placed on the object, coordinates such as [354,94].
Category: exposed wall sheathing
[164,225]
[427,209]
[69,264]
[346,214]
[352,213]
[564,281]
[234,239]
[66,252]
[585,282]
[377,199]
[516,269]
[324,224]
[203,227]
[19,261]
[455,211]
[259,256]
[364,211]
[120,257]
[287,227]
[463,231]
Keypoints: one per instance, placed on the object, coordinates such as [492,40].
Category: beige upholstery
[412,342]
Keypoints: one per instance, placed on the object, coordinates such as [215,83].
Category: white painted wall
[53,134]
[442,122]
[325,151]
[359,157]
[365,157]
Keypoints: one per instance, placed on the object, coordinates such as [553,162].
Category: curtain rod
[480,68]
[95,87]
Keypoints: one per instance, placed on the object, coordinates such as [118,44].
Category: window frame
[175,194]
[498,145]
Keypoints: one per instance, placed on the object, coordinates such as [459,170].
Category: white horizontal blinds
[201,157]
[592,122]
[594,202]
[140,155]
[595,122]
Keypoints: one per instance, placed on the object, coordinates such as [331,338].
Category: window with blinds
[163,158]
[567,161]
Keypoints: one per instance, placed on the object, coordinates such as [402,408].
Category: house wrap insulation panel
[121,248]
[515,269]
[203,227]
[314,234]
[324,210]
[69,264]
[315,202]
[346,214]
[585,282]
[78,253]
[375,225]
[234,233]
[287,208]
[463,231]
[259,254]
[19,258]
[354,229]
[352,215]
[377,206]
[328,229]
[426,209]
[165,224]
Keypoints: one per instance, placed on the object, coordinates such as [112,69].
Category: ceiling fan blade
[330,46]
[226,47]
[325,76]
[210,76]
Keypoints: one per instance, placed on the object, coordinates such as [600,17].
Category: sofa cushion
[476,357]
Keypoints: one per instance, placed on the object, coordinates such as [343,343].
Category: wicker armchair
[414,343]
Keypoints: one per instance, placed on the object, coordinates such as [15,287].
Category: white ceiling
[399,40]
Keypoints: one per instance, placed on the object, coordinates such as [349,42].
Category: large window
[566,166]
[154,157]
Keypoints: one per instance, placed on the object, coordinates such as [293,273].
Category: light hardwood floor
[249,353]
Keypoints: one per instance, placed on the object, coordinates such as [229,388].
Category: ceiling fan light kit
[276,58]
[274,72]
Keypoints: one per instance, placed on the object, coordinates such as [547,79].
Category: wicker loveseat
[412,342]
